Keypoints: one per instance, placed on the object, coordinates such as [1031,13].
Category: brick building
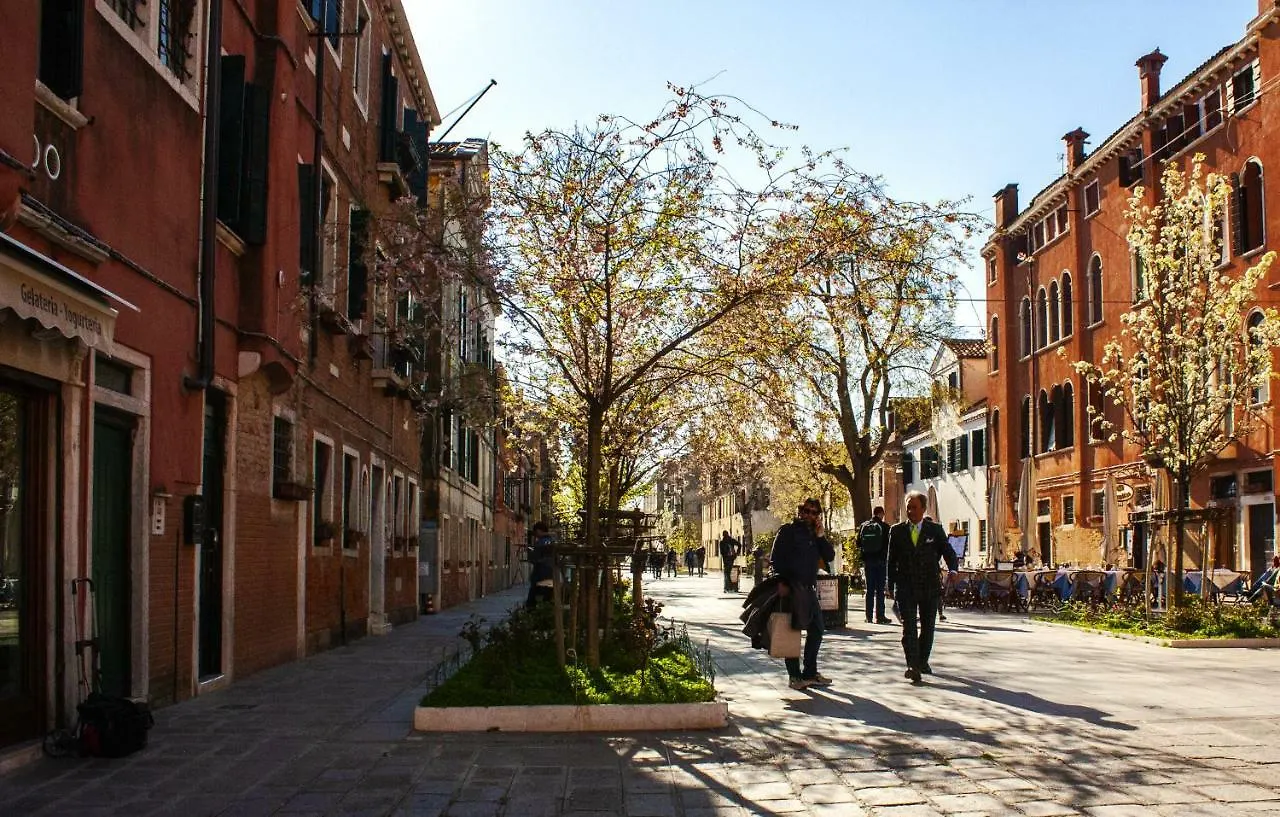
[202,405]
[1059,276]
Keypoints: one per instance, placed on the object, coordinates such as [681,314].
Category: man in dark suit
[915,546]
[730,548]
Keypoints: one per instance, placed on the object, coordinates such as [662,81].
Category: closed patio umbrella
[995,513]
[1025,507]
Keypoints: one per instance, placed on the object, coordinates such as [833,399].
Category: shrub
[1193,619]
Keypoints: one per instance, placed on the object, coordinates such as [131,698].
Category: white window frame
[326,508]
[1095,297]
[1230,86]
[1094,495]
[412,505]
[362,65]
[146,41]
[290,416]
[1068,501]
[329,235]
[1261,395]
[353,501]
[1096,186]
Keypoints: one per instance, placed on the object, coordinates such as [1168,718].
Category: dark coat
[762,602]
[729,549]
[542,559]
[796,553]
[883,556]
[913,569]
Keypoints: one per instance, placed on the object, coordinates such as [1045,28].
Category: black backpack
[871,540]
[111,726]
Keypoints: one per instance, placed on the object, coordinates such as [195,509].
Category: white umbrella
[1025,507]
[995,513]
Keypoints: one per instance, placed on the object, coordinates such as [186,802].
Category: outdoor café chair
[1000,590]
[1043,594]
[1229,584]
[1132,587]
[1088,586]
[962,591]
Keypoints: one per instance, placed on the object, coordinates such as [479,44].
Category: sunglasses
[814,511]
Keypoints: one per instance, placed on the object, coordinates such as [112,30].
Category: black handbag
[111,726]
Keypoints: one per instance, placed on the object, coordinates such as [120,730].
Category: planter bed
[571,718]
[1174,643]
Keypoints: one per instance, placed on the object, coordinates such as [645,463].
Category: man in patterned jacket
[915,546]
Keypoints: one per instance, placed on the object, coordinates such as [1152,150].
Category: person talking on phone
[798,550]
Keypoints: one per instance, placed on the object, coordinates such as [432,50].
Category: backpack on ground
[111,726]
[871,540]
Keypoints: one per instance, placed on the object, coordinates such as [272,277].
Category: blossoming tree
[1188,363]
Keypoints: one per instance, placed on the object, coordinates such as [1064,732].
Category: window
[991,270]
[1092,198]
[1068,510]
[1099,499]
[1095,290]
[333,22]
[1096,412]
[350,499]
[360,71]
[995,437]
[1211,110]
[389,109]
[1049,228]
[982,536]
[1048,428]
[1223,487]
[1043,507]
[1024,320]
[1055,313]
[1248,232]
[930,462]
[953,381]
[113,376]
[994,343]
[978,442]
[281,453]
[411,515]
[1139,277]
[1131,167]
[1258,482]
[1067,306]
[1024,426]
[61,62]
[175,36]
[357,266]
[397,512]
[1042,319]
[908,468]
[1142,496]
[1066,416]
[130,11]
[329,234]
[1257,394]
[321,465]
[957,454]
[1244,87]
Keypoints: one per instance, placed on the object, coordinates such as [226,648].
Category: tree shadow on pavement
[987,691]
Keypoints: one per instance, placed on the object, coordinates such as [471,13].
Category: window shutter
[231,139]
[306,221]
[962,444]
[357,270]
[390,106]
[253,208]
[908,468]
[1238,220]
[62,61]
[417,131]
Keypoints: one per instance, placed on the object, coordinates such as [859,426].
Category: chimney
[1006,205]
[1149,77]
[1075,148]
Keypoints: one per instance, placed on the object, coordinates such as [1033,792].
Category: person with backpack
[873,547]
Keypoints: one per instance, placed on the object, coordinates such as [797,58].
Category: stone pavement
[1020,719]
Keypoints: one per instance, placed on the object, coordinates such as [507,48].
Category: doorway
[1261,536]
[377,551]
[214,479]
[1044,532]
[24,437]
[112,573]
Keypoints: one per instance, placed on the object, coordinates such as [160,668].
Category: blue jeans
[877,572]
[812,641]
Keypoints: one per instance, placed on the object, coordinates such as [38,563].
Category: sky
[944,99]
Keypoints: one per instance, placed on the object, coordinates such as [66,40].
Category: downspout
[209,199]
[317,187]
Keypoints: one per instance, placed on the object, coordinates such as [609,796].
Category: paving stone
[824,793]
[894,796]
[951,803]
[1127,810]
[1045,808]
[1236,793]
[766,791]
[915,810]
[650,805]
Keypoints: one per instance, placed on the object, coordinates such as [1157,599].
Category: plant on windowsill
[326,532]
[291,491]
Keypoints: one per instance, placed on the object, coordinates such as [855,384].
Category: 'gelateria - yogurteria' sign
[56,306]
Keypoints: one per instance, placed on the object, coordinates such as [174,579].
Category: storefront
[51,319]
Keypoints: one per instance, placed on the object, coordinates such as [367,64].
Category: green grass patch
[1194,619]
[495,677]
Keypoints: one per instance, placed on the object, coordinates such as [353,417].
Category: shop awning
[37,287]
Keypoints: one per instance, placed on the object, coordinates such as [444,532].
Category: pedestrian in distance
[700,557]
[673,563]
[798,548]
[542,565]
[730,549]
[915,546]
[873,547]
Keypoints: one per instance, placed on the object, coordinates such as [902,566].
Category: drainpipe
[209,189]
[317,187]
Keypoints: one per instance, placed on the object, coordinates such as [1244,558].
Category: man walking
[915,546]
[797,550]
[729,550]
[873,546]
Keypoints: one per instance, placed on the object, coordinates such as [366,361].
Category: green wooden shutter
[253,209]
[231,140]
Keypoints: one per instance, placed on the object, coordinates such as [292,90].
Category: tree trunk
[1184,502]
[574,594]
[591,527]
[557,608]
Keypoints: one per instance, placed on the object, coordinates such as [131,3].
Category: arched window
[1042,319]
[1066,417]
[1024,318]
[994,342]
[1024,427]
[1055,329]
[1048,430]
[1247,212]
[1066,304]
[1259,394]
[1095,290]
[1096,412]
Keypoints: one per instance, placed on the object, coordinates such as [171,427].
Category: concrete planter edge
[1174,643]
[570,718]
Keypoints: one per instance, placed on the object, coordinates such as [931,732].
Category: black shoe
[868,619]
[941,617]
[883,620]
[926,669]
[914,675]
